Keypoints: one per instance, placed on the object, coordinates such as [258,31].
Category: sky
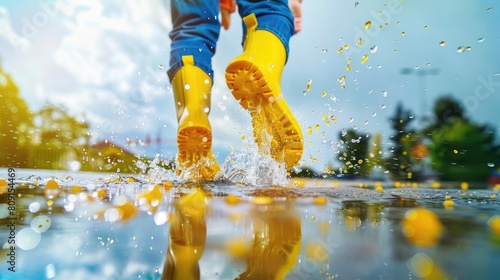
[106,62]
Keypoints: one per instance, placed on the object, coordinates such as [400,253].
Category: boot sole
[268,110]
[194,147]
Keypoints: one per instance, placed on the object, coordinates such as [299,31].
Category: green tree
[401,165]
[462,151]
[353,153]
[58,138]
[375,159]
[15,119]
[57,128]
[446,109]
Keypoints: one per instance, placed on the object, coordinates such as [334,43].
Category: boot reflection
[188,233]
[276,244]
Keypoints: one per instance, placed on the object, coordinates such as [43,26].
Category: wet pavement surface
[109,226]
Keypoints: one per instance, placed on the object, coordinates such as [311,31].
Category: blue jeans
[196,28]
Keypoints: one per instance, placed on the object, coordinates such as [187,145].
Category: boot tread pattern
[268,110]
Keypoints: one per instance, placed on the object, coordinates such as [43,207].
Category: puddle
[105,226]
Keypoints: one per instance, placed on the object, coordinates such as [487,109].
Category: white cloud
[113,50]
[18,42]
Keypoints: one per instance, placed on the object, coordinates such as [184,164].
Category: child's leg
[194,37]
[254,78]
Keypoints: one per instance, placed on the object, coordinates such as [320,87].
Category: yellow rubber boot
[192,88]
[275,249]
[254,79]
[188,234]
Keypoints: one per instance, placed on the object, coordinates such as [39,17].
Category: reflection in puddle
[128,228]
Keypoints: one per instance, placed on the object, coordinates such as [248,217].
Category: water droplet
[344,132]
[308,87]
[403,33]
[187,86]
[410,117]
[384,93]
[469,48]
[50,271]
[442,43]
[356,4]
[382,106]
[348,67]
[334,119]
[428,64]
[373,49]
[206,82]
[351,120]
[27,238]
[317,127]
[425,27]
[204,139]
[368,24]
[491,164]
[460,49]
[370,91]
[341,79]
[160,66]
[340,50]
[34,207]
[364,58]
[206,110]
[480,40]
[324,94]
[489,9]
[309,131]
[40,223]
[359,42]
[324,50]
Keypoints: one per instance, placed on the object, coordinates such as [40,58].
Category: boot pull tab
[187,60]
[250,21]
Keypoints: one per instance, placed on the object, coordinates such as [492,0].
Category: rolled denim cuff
[201,59]
[282,28]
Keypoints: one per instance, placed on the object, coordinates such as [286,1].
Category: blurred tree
[59,139]
[57,128]
[463,151]
[460,150]
[375,159]
[15,119]
[401,164]
[353,153]
[446,109]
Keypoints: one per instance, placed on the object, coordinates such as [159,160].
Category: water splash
[156,170]
[248,166]
[245,166]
